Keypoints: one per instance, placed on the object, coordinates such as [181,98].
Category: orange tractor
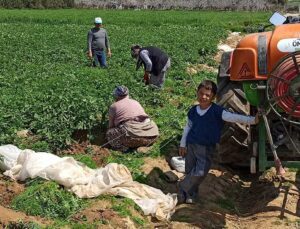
[263,74]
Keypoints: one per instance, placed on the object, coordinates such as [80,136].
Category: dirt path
[8,216]
[228,200]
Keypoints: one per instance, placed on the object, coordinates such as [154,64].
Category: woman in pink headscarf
[129,125]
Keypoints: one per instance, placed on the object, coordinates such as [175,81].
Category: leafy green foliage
[32,143]
[47,200]
[86,159]
[49,88]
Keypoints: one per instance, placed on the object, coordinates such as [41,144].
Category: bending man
[155,62]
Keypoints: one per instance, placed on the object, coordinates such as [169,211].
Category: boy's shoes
[189,201]
[181,199]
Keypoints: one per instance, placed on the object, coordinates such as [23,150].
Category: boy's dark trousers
[197,164]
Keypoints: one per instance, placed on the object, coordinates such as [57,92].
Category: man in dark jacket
[155,62]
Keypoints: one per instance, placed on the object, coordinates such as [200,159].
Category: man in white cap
[129,125]
[98,43]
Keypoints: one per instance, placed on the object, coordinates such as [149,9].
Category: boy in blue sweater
[200,136]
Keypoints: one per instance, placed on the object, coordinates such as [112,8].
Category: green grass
[124,206]
[49,200]
[86,160]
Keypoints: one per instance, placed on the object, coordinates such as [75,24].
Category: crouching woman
[129,125]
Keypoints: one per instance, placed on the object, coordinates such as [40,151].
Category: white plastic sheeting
[178,163]
[113,179]
[8,156]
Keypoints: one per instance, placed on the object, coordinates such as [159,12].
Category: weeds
[60,94]
[124,207]
[48,200]
[85,159]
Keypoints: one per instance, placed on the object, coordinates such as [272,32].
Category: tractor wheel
[233,147]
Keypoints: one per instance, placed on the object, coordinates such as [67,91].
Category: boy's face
[205,97]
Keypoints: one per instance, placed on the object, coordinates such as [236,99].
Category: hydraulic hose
[281,82]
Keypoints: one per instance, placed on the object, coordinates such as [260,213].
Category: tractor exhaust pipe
[279,169]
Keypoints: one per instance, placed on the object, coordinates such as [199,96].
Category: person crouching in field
[156,62]
[129,125]
[200,136]
[98,43]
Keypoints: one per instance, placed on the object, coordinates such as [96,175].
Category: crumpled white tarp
[113,179]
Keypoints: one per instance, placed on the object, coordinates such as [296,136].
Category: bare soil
[97,153]
[227,199]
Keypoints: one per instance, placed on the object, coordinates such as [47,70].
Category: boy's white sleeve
[185,133]
[233,117]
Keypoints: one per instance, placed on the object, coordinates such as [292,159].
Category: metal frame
[263,162]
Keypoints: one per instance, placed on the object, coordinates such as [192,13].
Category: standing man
[98,43]
[155,62]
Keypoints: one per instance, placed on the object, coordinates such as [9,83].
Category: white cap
[98,20]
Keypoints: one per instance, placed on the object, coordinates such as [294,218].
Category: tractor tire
[233,147]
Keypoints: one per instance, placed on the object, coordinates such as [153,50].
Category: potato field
[50,90]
